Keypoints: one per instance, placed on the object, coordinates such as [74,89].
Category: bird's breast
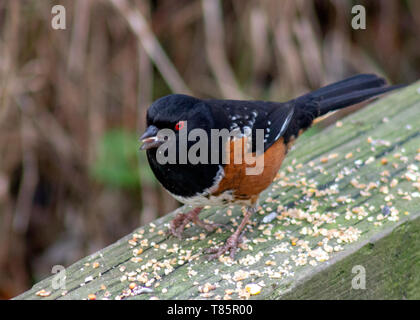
[240,180]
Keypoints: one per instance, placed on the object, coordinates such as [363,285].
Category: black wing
[271,118]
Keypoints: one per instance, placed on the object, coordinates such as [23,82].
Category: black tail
[338,95]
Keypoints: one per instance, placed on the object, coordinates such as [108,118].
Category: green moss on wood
[392,266]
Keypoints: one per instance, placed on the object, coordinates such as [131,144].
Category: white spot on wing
[285,124]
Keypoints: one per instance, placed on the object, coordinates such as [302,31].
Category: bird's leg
[178,224]
[234,240]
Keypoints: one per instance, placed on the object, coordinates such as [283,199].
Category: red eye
[179,125]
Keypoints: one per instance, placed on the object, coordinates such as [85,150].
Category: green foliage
[119,163]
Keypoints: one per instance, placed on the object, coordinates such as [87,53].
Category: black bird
[226,181]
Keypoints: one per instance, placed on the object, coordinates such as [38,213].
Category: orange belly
[245,186]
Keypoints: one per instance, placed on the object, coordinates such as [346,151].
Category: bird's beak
[150,139]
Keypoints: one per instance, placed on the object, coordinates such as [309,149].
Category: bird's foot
[230,245]
[234,240]
[179,223]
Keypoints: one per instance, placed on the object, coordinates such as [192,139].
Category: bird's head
[175,112]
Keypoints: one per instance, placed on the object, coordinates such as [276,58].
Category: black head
[181,114]
[173,112]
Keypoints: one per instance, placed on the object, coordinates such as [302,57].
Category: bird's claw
[230,245]
[178,224]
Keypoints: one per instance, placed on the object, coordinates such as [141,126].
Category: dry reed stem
[213,26]
[141,29]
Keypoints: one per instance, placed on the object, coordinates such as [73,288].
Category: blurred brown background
[72,102]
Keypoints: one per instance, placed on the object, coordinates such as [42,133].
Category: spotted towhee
[223,182]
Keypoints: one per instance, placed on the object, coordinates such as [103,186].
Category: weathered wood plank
[390,261]
[347,196]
